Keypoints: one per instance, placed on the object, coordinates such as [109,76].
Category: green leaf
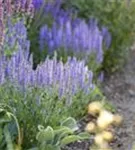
[8,138]
[69,139]
[9,115]
[46,135]
[61,133]
[63,129]
[84,135]
[40,128]
[70,123]
[1,134]
[5,119]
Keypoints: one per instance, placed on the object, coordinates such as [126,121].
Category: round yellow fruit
[94,108]
[108,136]
[117,119]
[99,140]
[91,127]
[105,119]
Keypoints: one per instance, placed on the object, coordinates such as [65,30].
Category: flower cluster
[67,79]
[102,124]
[47,6]
[15,37]
[75,35]
[9,8]
[71,34]
[67,33]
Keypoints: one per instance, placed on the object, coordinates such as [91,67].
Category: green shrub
[119,17]
[11,136]
[39,106]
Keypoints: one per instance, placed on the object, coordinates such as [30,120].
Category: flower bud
[108,136]
[99,140]
[91,127]
[105,119]
[94,108]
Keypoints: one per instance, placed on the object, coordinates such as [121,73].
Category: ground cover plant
[50,69]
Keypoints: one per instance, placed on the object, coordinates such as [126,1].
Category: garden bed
[119,88]
[60,68]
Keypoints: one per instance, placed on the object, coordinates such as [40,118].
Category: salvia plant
[47,6]
[15,8]
[118,16]
[45,13]
[75,37]
[15,38]
[65,34]
[67,79]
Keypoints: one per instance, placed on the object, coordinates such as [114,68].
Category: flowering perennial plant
[15,37]
[76,36]
[14,8]
[48,6]
[67,79]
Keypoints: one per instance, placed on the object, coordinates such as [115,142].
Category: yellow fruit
[99,140]
[108,136]
[117,119]
[105,119]
[94,108]
[91,127]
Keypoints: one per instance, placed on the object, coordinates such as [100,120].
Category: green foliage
[119,18]
[40,106]
[48,138]
[35,106]
[9,129]
[54,139]
[90,59]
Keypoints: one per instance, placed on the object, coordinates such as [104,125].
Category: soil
[119,89]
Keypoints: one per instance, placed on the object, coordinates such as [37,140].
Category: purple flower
[107,37]
[81,39]
[51,74]
[16,38]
